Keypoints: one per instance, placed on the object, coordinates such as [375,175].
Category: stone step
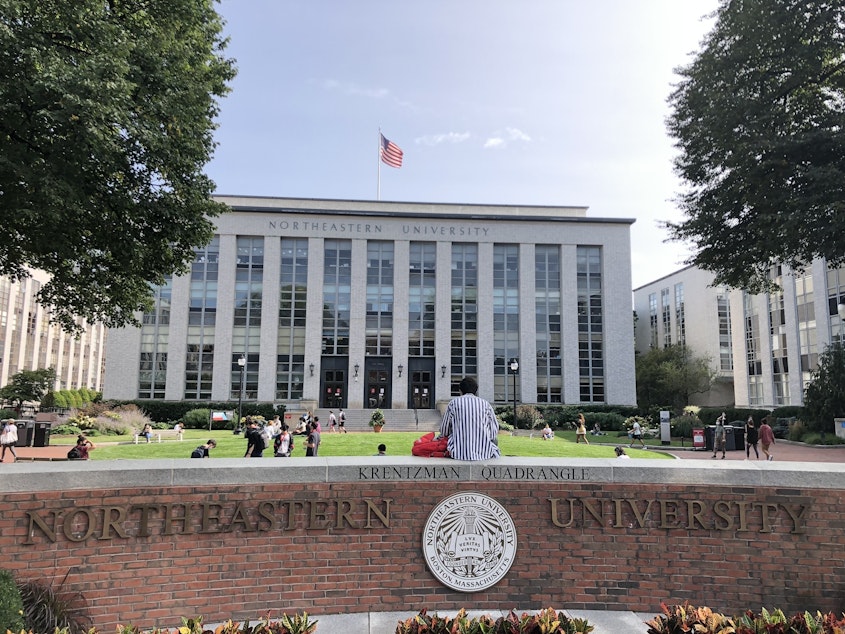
[395,419]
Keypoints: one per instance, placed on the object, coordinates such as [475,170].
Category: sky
[532,102]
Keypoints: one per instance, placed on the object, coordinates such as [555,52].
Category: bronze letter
[143,522]
[640,516]
[240,517]
[694,510]
[116,523]
[765,507]
[666,514]
[555,519]
[595,513]
[267,510]
[384,517]
[342,514]
[208,517]
[170,518]
[722,509]
[797,520]
[35,519]
[67,525]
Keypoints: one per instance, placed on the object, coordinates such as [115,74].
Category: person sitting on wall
[301,427]
[470,425]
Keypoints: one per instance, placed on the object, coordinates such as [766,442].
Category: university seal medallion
[469,542]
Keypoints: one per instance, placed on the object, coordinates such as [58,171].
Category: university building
[28,341]
[363,304]
[763,347]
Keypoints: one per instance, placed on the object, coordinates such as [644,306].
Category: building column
[358,324]
[443,323]
[486,371]
[225,319]
[569,323]
[401,266]
[527,326]
[267,362]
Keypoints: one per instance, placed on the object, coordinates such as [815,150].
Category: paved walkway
[782,450]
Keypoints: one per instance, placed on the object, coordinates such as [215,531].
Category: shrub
[702,620]
[196,418]
[545,622]
[682,426]
[8,413]
[46,609]
[529,417]
[11,604]
[65,429]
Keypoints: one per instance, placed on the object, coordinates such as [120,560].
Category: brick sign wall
[234,539]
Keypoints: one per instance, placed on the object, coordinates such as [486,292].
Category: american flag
[390,153]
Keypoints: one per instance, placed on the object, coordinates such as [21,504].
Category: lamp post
[242,366]
[514,367]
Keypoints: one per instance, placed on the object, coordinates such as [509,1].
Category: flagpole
[378,164]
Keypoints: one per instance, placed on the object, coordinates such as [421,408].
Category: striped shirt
[472,428]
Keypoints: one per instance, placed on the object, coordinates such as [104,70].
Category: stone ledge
[76,475]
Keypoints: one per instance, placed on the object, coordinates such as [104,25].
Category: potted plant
[377,420]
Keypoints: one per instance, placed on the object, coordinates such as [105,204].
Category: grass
[351,444]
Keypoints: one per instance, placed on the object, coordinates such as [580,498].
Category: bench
[158,434]
[41,459]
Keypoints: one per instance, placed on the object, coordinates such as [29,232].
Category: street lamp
[242,366]
[514,366]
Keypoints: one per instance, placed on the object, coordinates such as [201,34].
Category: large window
[547,311]
[753,358]
[337,285]
[249,295]
[422,281]
[777,332]
[835,296]
[723,314]
[293,280]
[590,325]
[666,310]
[202,319]
[464,312]
[680,321]
[505,319]
[653,321]
[807,333]
[155,330]
[379,324]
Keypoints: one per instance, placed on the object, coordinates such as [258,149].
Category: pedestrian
[636,434]
[620,453]
[148,432]
[9,438]
[470,425]
[80,450]
[342,420]
[751,438]
[581,430]
[719,436]
[332,421]
[382,450]
[179,428]
[312,448]
[767,438]
[203,450]
[283,445]
[254,441]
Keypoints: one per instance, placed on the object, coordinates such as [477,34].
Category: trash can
[730,441]
[26,428]
[42,435]
[739,438]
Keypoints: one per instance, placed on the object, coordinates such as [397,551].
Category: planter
[377,428]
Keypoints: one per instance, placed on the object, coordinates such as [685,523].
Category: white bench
[159,433]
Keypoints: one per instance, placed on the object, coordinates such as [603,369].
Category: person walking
[581,430]
[767,438]
[637,434]
[9,438]
[332,421]
[470,425]
[751,438]
[342,420]
[719,436]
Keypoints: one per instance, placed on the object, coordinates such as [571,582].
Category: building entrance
[420,385]
[377,384]
[333,382]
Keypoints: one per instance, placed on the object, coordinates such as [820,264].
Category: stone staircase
[424,420]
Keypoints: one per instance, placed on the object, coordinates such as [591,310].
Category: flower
[377,418]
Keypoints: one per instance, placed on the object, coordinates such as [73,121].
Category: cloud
[501,139]
[444,137]
[348,88]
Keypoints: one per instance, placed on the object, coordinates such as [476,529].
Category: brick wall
[281,541]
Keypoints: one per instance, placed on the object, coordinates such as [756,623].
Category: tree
[28,385]
[670,375]
[759,121]
[824,397]
[106,120]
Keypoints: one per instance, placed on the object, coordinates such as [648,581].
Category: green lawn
[352,444]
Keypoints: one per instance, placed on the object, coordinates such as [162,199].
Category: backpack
[199,452]
[430,447]
[74,454]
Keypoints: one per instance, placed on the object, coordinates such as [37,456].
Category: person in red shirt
[767,438]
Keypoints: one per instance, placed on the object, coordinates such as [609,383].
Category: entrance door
[333,382]
[421,388]
[377,385]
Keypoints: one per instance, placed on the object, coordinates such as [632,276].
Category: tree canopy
[28,385]
[106,116]
[824,397]
[759,121]
[670,375]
